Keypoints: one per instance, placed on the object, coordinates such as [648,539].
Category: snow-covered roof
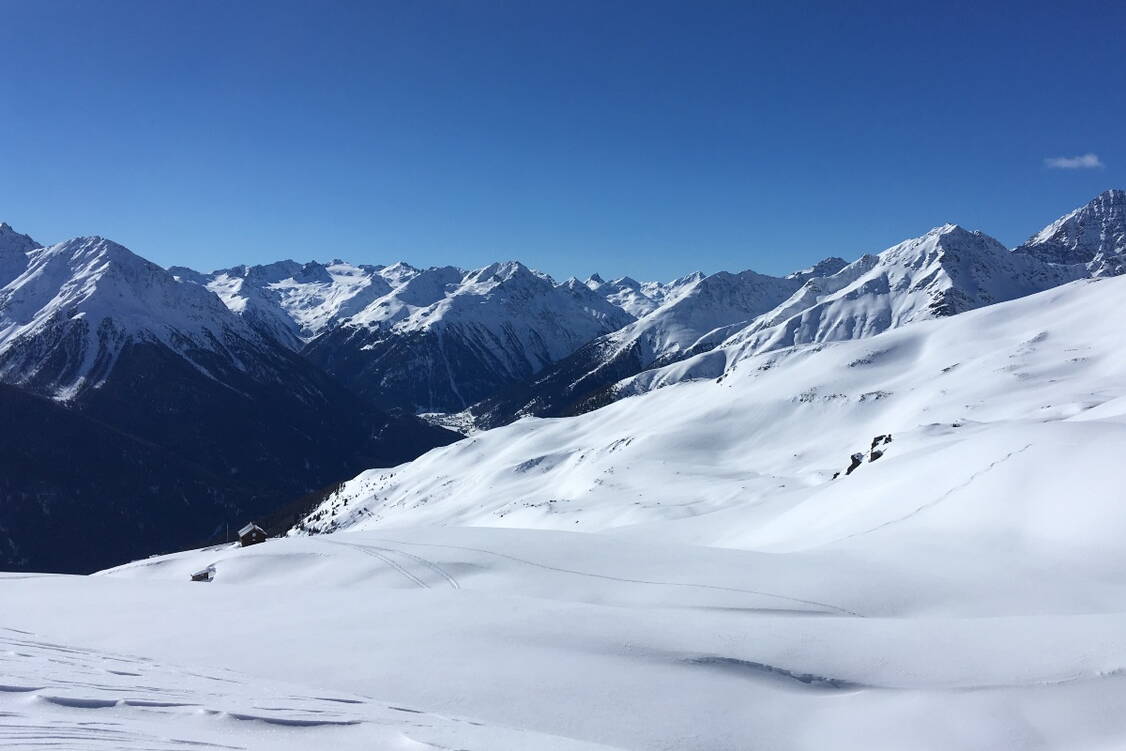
[250,528]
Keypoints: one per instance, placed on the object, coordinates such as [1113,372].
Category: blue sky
[647,138]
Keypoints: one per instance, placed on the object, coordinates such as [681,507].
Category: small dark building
[251,534]
[205,575]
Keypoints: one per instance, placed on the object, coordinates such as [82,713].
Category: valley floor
[521,639]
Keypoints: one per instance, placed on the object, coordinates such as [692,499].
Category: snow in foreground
[556,639]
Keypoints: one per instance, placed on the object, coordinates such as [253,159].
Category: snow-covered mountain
[639,298]
[434,339]
[13,252]
[147,359]
[295,302]
[1093,236]
[66,317]
[446,338]
[947,271]
[691,308]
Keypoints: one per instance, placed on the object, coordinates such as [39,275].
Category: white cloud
[1086,161]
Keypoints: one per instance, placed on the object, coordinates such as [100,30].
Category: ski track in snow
[609,577]
[960,486]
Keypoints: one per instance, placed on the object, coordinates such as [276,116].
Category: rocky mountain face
[1093,236]
[445,339]
[13,252]
[165,370]
[692,309]
[295,302]
[639,298]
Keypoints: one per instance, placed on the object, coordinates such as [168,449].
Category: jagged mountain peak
[507,271]
[627,281]
[824,267]
[1093,235]
[14,248]
[398,272]
[9,237]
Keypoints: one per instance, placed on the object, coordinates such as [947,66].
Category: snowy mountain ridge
[690,309]
[640,298]
[1094,236]
[945,272]
[445,338]
[66,316]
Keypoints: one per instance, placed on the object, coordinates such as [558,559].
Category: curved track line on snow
[433,567]
[960,486]
[376,553]
[610,577]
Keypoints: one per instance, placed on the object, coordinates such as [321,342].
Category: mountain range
[215,397]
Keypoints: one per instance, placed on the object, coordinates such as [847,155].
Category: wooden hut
[205,575]
[251,534]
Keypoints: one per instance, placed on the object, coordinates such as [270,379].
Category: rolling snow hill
[730,459]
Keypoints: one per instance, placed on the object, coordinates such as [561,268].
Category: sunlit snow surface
[678,571]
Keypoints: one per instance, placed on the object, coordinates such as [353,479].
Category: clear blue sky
[647,138]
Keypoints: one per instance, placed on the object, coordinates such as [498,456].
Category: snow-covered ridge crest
[946,271]
[64,319]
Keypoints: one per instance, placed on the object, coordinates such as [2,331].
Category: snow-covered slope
[690,309]
[1093,236]
[446,338]
[569,639]
[764,440]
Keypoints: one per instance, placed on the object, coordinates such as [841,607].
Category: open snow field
[678,570]
[552,640]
